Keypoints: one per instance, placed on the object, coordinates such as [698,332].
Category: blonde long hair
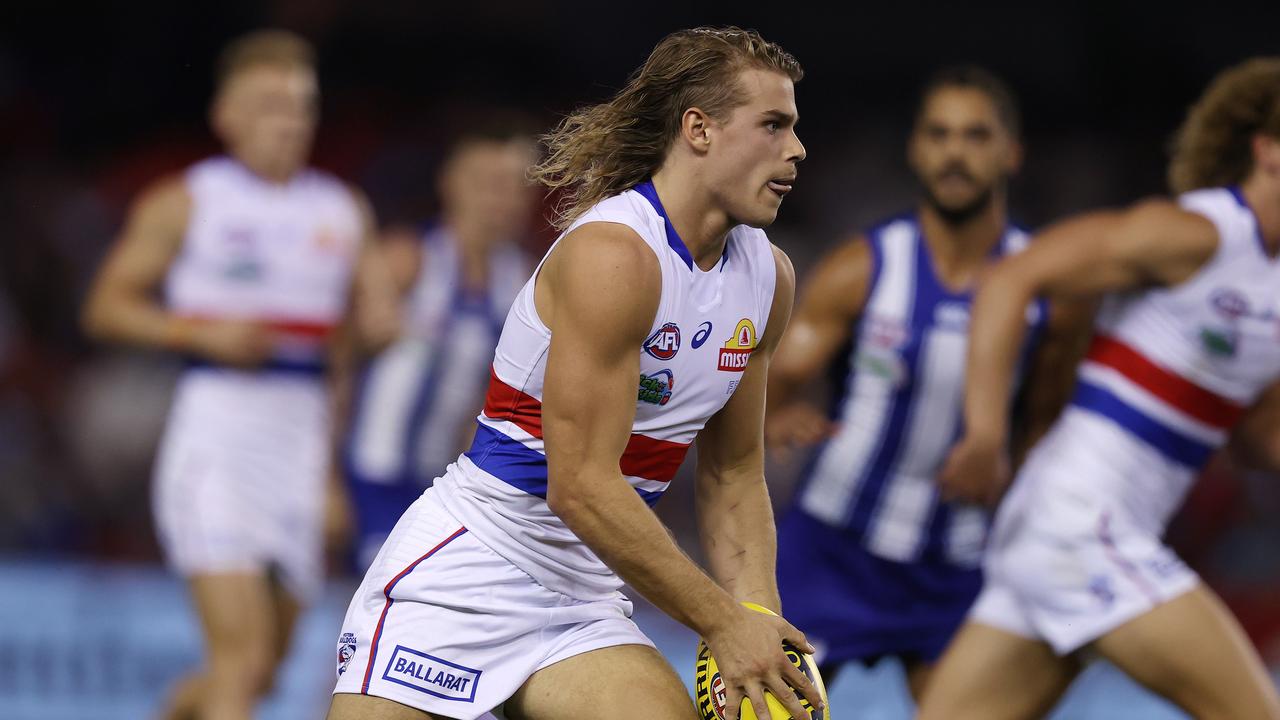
[1214,146]
[602,150]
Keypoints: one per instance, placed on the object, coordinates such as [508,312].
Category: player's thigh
[622,682]
[1193,652]
[351,706]
[991,674]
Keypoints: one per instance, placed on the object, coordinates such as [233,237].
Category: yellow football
[710,688]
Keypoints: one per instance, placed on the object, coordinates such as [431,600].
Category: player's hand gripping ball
[711,691]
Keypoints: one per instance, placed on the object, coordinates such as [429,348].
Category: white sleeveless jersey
[1170,371]
[278,254]
[706,327]
[417,396]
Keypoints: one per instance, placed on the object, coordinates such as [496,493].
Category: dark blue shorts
[856,606]
[377,508]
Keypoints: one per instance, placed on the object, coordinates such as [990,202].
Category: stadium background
[96,101]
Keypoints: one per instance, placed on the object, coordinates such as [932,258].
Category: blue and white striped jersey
[416,400]
[899,409]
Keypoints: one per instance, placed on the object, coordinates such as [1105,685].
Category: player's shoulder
[901,224]
[605,244]
[166,199]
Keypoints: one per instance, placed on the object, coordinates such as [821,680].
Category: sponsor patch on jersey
[737,349]
[656,389]
[243,269]
[431,675]
[1218,342]
[887,364]
[700,337]
[346,651]
[664,343]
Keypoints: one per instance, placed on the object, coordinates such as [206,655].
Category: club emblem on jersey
[346,651]
[737,349]
[664,343]
[656,389]
[1100,586]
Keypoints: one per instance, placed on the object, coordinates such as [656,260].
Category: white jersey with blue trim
[277,254]
[899,410]
[1169,372]
[416,397]
[706,327]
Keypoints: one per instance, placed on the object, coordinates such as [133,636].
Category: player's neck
[1264,199]
[474,249]
[264,171]
[703,227]
[960,249]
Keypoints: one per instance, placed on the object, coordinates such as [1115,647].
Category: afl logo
[737,349]
[665,343]
[719,699]
[1230,303]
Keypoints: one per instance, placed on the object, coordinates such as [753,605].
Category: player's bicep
[733,440]
[140,257]
[150,239]
[602,287]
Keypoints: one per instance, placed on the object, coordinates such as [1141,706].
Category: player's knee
[247,667]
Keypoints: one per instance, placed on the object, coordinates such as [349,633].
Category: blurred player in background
[1187,339]
[875,560]
[254,256]
[416,402]
[650,323]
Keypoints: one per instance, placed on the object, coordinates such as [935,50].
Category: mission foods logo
[737,350]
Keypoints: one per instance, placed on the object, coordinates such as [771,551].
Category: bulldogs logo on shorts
[346,651]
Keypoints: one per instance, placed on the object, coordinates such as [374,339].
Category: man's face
[484,186]
[266,115]
[752,157]
[961,151]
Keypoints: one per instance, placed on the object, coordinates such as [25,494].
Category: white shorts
[444,624]
[1067,568]
[238,490]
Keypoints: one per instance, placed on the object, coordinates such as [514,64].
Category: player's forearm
[137,321]
[735,522]
[608,515]
[996,332]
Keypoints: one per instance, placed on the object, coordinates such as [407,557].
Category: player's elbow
[95,317]
[565,497]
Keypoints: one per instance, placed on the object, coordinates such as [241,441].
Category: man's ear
[1266,154]
[695,126]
